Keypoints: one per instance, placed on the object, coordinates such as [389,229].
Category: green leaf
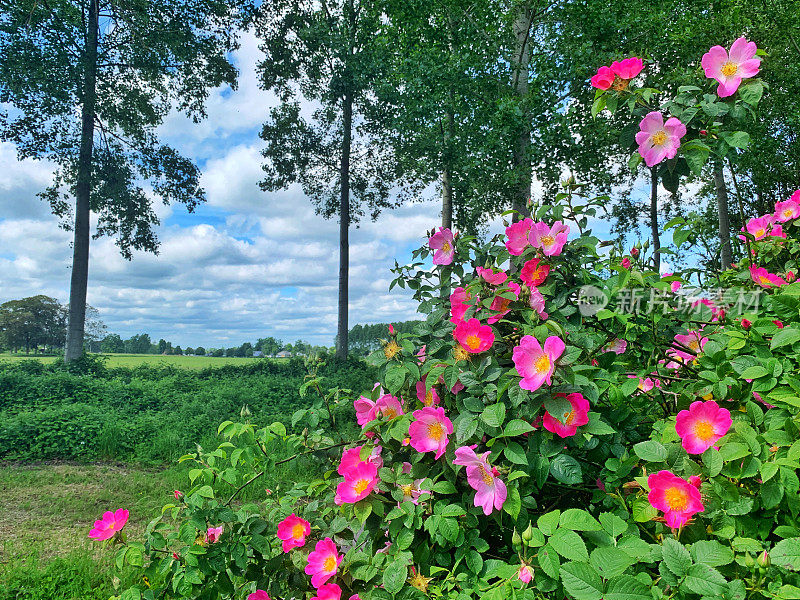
[784,337]
[712,459]
[549,561]
[675,556]
[753,372]
[566,469]
[626,587]
[786,554]
[394,576]
[597,427]
[395,378]
[474,561]
[643,511]
[206,492]
[548,522]
[513,503]
[736,139]
[516,454]
[569,545]
[578,520]
[517,427]
[581,581]
[705,581]
[711,553]
[611,561]
[651,451]
[613,525]
[558,406]
[494,415]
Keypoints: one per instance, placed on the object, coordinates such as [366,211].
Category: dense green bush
[146,413]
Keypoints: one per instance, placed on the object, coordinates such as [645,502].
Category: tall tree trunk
[654,219]
[725,254]
[344,226]
[80,247]
[447,183]
[522,143]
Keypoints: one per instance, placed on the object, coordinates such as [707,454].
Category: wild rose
[550,240]
[790,276]
[568,424]
[536,302]
[500,304]
[617,346]
[788,210]
[490,491]
[109,524]
[427,397]
[603,79]
[429,430]
[626,263]
[178,494]
[635,252]
[702,425]
[213,534]
[359,481]
[628,68]
[352,456]
[674,286]
[292,531]
[746,323]
[730,68]
[517,234]
[323,562]
[659,140]
[764,278]
[678,499]
[388,407]
[259,595]
[489,276]
[536,364]
[525,573]
[759,227]
[533,273]
[443,245]
[459,304]
[366,410]
[474,337]
[391,329]
[411,491]
[778,323]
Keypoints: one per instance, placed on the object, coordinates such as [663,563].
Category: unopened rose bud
[516,539]
[763,560]
[527,535]
[778,323]
[790,276]
[245,412]
[746,323]
[748,561]
[635,252]
[703,132]
[391,329]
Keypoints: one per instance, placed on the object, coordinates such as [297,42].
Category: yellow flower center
[407,490]
[389,413]
[486,476]
[361,485]
[704,430]
[659,138]
[694,345]
[446,247]
[473,342]
[677,499]
[460,354]
[729,69]
[788,213]
[760,233]
[329,564]
[569,417]
[548,240]
[764,280]
[542,364]
[391,349]
[298,531]
[620,84]
[435,431]
[428,399]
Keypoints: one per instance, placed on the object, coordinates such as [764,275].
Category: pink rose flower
[537,303]
[352,457]
[730,68]
[550,240]
[293,531]
[359,481]
[474,337]
[788,210]
[258,595]
[536,364]
[411,491]
[459,303]
[603,79]
[627,68]
[489,276]
[213,534]
[517,234]
[500,304]
[702,425]
[525,573]
[577,415]
[429,430]
[490,491]
[534,274]
[111,523]
[443,245]
[759,227]
[675,497]
[388,407]
[323,562]
[428,398]
[764,278]
[659,140]
[617,346]
[626,263]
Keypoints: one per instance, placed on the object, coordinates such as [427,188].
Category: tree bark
[654,219]
[725,254]
[447,183]
[344,226]
[80,247]
[521,157]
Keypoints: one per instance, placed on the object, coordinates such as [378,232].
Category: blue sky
[247,264]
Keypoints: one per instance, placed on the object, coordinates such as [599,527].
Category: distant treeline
[142,344]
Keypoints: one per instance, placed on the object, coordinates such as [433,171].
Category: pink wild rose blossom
[729,68]
[352,456]
[490,491]
[702,425]
[500,304]
[627,68]
[388,407]
[359,481]
[259,595]
[534,274]
[525,573]
[536,364]
[429,430]
[550,240]
[603,79]
[489,276]
[572,419]
[109,524]
[459,303]
[764,278]
[788,209]
[213,534]
[428,398]
[659,140]
[443,245]
[292,531]
[474,337]
[675,497]
[537,303]
[517,234]
[323,562]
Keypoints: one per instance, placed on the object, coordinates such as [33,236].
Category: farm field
[151,360]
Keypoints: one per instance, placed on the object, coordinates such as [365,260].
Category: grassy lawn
[134,360]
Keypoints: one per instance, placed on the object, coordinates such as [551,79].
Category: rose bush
[566,422]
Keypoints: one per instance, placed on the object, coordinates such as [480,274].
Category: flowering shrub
[532,438]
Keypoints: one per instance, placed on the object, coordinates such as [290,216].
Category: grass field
[153,360]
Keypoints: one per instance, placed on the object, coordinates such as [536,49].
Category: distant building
[257,354]
[283,354]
